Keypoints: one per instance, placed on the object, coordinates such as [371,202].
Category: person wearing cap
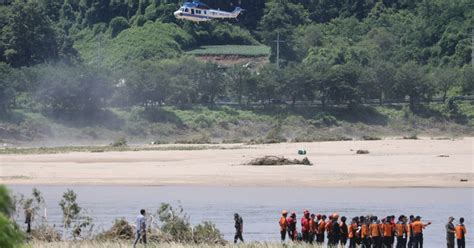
[417,228]
[401,231]
[291,223]
[283,225]
[305,228]
[461,233]
[375,233]
[364,232]
[450,233]
[239,228]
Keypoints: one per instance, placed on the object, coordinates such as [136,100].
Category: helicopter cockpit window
[186,10]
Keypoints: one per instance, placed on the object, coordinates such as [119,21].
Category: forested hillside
[98,69]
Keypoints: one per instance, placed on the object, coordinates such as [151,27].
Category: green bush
[120,142]
[117,25]
[10,236]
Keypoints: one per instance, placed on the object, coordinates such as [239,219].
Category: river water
[261,206]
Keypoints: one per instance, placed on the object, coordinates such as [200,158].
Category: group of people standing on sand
[364,231]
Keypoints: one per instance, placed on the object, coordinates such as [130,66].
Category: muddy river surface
[261,206]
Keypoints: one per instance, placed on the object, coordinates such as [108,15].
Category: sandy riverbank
[391,163]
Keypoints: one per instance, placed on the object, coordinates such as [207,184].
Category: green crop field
[241,50]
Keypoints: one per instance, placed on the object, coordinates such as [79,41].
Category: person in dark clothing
[461,233]
[450,233]
[28,219]
[335,231]
[411,240]
[292,226]
[239,228]
[344,231]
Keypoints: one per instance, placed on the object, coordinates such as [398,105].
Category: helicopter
[200,12]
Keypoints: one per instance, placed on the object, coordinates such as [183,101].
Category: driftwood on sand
[275,160]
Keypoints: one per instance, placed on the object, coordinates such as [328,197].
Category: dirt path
[391,163]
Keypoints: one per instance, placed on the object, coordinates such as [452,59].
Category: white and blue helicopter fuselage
[199,12]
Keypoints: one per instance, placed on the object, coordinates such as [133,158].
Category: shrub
[10,236]
[118,24]
[207,233]
[367,137]
[411,137]
[120,142]
[121,230]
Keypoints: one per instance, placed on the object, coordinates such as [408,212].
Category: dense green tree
[297,83]
[7,90]
[281,18]
[77,90]
[344,84]
[411,81]
[444,79]
[239,79]
[29,36]
[211,82]
[117,25]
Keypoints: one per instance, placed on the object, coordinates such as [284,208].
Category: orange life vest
[283,224]
[401,229]
[322,226]
[351,230]
[374,230]
[328,227]
[364,231]
[418,227]
[460,231]
[387,230]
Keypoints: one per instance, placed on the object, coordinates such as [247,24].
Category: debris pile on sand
[362,152]
[275,160]
[121,230]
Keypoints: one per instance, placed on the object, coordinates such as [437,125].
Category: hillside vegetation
[93,71]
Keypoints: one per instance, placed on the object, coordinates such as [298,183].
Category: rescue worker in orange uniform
[388,231]
[417,228]
[328,228]
[364,232]
[401,230]
[352,233]
[283,225]
[375,233]
[305,226]
[313,228]
[321,229]
[291,223]
[461,234]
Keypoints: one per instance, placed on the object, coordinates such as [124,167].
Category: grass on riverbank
[96,149]
[224,124]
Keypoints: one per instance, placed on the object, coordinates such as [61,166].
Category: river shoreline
[390,163]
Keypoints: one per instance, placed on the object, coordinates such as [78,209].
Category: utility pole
[472,47]
[278,41]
